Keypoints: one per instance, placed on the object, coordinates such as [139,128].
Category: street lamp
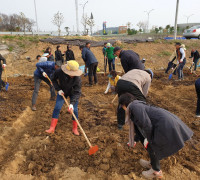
[84,23]
[188,17]
[36,15]
[77,23]
[148,14]
[176,18]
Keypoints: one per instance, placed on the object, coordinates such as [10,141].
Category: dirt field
[27,152]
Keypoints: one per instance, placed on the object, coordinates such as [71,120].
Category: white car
[193,32]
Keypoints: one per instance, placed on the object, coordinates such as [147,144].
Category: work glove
[146,143]
[71,108]
[4,65]
[44,74]
[181,61]
[61,92]
[133,145]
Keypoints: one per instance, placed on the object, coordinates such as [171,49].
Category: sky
[114,12]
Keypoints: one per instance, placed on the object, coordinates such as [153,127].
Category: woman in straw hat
[67,82]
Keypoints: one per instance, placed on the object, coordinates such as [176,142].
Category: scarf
[129,122]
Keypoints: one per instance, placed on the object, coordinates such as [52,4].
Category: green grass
[8,37]
[164,53]
[10,48]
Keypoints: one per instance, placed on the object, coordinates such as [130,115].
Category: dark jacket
[50,58]
[69,55]
[70,86]
[2,59]
[164,131]
[59,56]
[88,56]
[47,67]
[195,55]
[130,60]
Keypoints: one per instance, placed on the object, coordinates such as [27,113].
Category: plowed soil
[27,152]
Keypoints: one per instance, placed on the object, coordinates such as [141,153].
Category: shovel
[7,84]
[112,103]
[170,76]
[49,80]
[93,149]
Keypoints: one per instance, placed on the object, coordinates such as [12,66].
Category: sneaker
[145,164]
[88,85]
[197,115]
[152,174]
[33,108]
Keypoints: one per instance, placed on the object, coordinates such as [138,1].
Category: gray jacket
[164,131]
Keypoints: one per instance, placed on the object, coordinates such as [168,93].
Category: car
[193,32]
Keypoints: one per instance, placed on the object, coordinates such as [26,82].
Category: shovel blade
[6,86]
[170,76]
[93,150]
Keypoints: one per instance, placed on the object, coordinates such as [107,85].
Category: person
[2,66]
[69,54]
[110,56]
[38,57]
[181,59]
[136,82]
[44,57]
[195,55]
[67,82]
[172,63]
[113,79]
[105,58]
[90,62]
[44,70]
[161,132]
[58,54]
[129,59]
[50,57]
[197,87]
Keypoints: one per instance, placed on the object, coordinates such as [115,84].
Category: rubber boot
[75,130]
[53,126]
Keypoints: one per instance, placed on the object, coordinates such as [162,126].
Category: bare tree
[90,23]
[67,30]
[84,23]
[24,21]
[142,25]
[58,20]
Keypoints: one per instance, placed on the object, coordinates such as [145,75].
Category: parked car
[193,32]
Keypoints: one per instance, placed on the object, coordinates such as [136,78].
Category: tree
[58,20]
[156,30]
[90,23]
[67,30]
[142,25]
[84,22]
[167,28]
[171,29]
[128,25]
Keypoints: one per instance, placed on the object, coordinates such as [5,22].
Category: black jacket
[164,131]
[59,56]
[88,57]
[130,60]
[70,86]
[69,55]
[50,58]
[195,55]
[3,60]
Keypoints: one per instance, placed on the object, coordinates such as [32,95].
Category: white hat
[45,54]
[43,59]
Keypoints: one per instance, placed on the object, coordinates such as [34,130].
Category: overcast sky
[114,12]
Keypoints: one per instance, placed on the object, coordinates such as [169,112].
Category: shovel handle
[114,99]
[78,123]
[49,80]
[6,74]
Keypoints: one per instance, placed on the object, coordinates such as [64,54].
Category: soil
[27,152]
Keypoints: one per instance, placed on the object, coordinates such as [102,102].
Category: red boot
[53,126]
[75,130]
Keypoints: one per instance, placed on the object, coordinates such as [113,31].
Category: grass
[10,48]
[164,53]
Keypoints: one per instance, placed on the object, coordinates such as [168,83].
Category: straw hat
[108,45]
[71,68]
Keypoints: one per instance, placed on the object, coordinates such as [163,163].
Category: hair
[81,47]
[126,99]
[87,43]
[113,73]
[68,46]
[105,43]
[178,43]
[38,56]
[47,50]
[58,47]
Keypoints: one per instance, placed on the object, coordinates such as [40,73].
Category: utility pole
[148,14]
[176,18]
[36,16]
[77,22]
[188,17]
[83,5]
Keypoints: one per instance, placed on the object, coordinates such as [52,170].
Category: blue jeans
[180,69]
[195,64]
[59,103]
[111,63]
